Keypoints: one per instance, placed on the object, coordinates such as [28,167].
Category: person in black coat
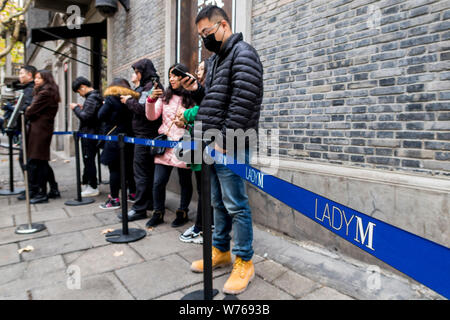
[230,100]
[117,119]
[87,113]
[144,161]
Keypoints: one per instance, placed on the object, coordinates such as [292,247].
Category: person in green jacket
[186,119]
[194,233]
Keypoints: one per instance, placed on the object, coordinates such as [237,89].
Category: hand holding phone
[181,73]
[156,93]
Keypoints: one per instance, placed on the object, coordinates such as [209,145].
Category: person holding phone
[194,233]
[230,100]
[167,105]
[144,161]
[87,114]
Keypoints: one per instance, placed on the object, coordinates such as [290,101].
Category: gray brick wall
[139,34]
[361,82]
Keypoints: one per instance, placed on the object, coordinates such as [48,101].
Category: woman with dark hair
[201,72]
[168,104]
[41,117]
[117,119]
[144,161]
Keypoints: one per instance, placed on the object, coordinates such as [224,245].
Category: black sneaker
[53,194]
[39,198]
[110,204]
[22,196]
[132,197]
[133,215]
[181,219]
[157,218]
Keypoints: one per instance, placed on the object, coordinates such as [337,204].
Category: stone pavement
[157,267]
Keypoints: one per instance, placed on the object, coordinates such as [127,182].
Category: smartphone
[180,73]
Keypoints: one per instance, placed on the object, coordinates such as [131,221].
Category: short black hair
[211,12]
[30,69]
[78,82]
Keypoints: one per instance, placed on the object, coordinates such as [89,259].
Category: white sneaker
[191,236]
[90,192]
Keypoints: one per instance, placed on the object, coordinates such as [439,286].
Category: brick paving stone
[158,277]
[8,254]
[72,224]
[98,287]
[54,245]
[103,259]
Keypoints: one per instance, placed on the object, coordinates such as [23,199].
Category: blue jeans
[231,210]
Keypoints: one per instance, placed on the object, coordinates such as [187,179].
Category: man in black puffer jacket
[230,100]
[144,162]
[87,113]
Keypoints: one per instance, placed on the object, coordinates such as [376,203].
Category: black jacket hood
[147,70]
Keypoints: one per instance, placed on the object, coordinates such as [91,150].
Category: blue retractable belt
[421,259]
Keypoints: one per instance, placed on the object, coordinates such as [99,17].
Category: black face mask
[211,43]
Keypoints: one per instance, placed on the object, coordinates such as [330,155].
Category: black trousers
[89,151]
[162,175]
[114,173]
[39,173]
[144,171]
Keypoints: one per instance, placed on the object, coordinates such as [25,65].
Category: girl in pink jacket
[173,101]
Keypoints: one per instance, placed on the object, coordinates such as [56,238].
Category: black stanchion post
[11,191]
[79,201]
[125,235]
[208,292]
[99,167]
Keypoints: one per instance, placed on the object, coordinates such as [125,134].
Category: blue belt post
[125,235]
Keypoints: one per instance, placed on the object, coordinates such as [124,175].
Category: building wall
[362,83]
[138,34]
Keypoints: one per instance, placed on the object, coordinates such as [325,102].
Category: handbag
[157,151]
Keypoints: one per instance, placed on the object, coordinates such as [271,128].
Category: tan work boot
[219,259]
[243,272]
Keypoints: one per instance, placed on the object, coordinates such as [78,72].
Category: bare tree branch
[8,23]
[18,14]
[13,39]
[3,4]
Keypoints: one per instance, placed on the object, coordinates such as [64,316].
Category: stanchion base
[133,235]
[199,295]
[28,229]
[11,193]
[75,203]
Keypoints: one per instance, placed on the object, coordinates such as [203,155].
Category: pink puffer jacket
[153,111]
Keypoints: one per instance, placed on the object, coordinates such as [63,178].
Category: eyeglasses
[205,32]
